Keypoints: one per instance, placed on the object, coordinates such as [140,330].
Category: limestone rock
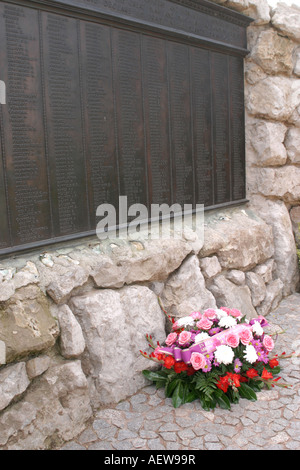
[257,288]
[253,73]
[273,52]
[287,20]
[282,183]
[265,270]
[273,296]
[210,266]
[114,323]
[213,241]
[55,409]
[292,143]
[259,10]
[26,324]
[238,5]
[37,366]
[62,278]
[106,273]
[274,98]
[277,216]
[295,218]
[185,290]
[14,280]
[7,290]
[239,238]
[230,295]
[249,243]
[15,419]
[236,276]
[25,276]
[155,262]
[143,261]
[2,353]
[265,143]
[72,343]
[13,382]
[297,62]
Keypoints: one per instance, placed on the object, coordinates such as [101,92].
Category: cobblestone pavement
[147,420]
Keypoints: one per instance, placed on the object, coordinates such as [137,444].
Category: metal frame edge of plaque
[116,97]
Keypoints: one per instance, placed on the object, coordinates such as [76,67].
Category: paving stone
[148,420]
[126,434]
[168,436]
[72,446]
[155,444]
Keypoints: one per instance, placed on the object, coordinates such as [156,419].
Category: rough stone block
[26,324]
[230,295]
[210,266]
[114,323]
[13,382]
[185,290]
[37,366]
[72,343]
[257,288]
[277,216]
[55,409]
[287,20]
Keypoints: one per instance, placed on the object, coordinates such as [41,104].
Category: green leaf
[155,375]
[170,387]
[256,385]
[275,370]
[177,398]
[191,396]
[247,392]
[222,399]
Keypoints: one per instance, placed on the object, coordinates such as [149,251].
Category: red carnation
[273,363]
[190,370]
[180,367]
[223,383]
[266,375]
[169,362]
[251,373]
[235,379]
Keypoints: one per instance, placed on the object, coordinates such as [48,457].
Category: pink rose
[204,324]
[268,343]
[234,312]
[225,309]
[171,338]
[184,337]
[232,339]
[175,326]
[196,315]
[245,336]
[210,313]
[198,361]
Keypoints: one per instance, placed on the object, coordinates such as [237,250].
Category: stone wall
[272,89]
[73,319]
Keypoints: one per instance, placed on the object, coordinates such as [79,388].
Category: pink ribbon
[207,345]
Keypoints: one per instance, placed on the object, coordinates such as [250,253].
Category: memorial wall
[105,98]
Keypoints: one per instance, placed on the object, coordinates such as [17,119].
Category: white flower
[201,336]
[227,322]
[257,329]
[250,354]
[224,354]
[185,321]
[220,313]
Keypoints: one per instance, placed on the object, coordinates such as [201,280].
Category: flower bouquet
[217,357]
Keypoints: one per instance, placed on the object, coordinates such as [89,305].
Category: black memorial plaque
[22,130]
[109,98]
[155,79]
